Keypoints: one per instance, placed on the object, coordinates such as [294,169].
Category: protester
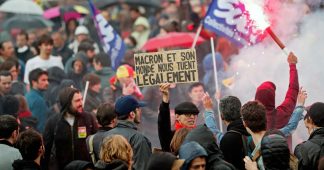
[128,111]
[81,33]
[23,51]
[36,102]
[185,115]
[141,31]
[204,137]
[194,155]
[5,82]
[277,117]
[9,130]
[67,131]
[107,120]
[254,119]
[44,60]
[7,50]
[122,84]
[101,65]
[79,69]
[164,161]
[55,76]
[12,65]
[86,52]
[31,147]
[115,154]
[60,47]
[93,96]
[308,153]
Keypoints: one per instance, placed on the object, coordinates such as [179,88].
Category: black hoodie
[25,165]
[206,139]
[114,165]
[232,143]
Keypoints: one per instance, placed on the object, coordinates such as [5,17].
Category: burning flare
[257,14]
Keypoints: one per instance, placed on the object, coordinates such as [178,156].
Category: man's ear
[132,115]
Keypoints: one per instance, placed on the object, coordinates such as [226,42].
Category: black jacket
[232,144]
[308,153]
[164,127]
[69,144]
[141,145]
[114,165]
[25,165]
[206,139]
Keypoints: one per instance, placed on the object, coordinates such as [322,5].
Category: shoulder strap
[256,155]
[91,152]
[244,141]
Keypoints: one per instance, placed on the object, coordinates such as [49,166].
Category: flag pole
[197,36]
[85,93]
[216,81]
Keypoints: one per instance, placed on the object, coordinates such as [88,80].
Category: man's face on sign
[196,94]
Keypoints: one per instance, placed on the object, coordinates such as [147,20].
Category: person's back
[8,135]
[129,113]
[277,117]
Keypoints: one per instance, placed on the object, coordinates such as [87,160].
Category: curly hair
[116,147]
[254,116]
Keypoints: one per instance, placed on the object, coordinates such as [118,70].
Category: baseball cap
[126,104]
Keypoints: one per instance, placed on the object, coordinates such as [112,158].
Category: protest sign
[177,66]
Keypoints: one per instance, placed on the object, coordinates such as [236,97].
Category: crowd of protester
[49,120]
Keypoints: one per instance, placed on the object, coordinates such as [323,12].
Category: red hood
[266,94]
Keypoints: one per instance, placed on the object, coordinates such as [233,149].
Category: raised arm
[164,119]
[297,115]
[288,105]
[209,117]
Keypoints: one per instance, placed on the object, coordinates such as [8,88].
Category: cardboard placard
[176,66]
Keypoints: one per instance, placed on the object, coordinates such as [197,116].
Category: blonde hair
[116,147]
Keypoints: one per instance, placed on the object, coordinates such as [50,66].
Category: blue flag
[229,18]
[112,43]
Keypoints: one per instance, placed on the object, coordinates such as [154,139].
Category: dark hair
[230,107]
[103,59]
[29,143]
[85,46]
[10,105]
[105,114]
[92,78]
[194,85]
[35,74]
[254,116]
[135,9]
[8,124]
[5,73]
[45,39]
[24,33]
[2,42]
[7,65]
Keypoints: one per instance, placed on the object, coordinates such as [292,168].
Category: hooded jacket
[190,151]
[275,152]
[69,141]
[77,78]
[55,76]
[232,144]
[114,165]
[141,37]
[78,165]
[141,145]
[278,117]
[308,153]
[206,139]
